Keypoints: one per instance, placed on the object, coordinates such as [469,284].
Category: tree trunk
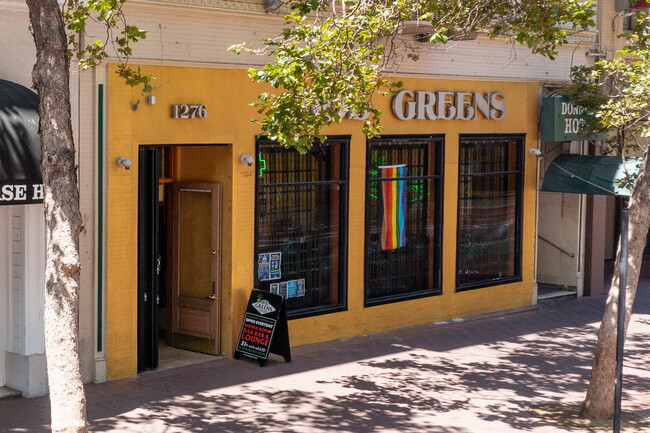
[51,78]
[599,401]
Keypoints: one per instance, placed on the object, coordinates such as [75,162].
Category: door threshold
[172,357]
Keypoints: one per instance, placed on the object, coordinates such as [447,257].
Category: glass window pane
[300,202]
[489,202]
[402,212]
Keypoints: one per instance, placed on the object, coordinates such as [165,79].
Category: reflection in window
[300,212]
[403,215]
[489,210]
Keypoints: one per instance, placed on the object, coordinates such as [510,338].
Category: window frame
[519,190]
[343,224]
[439,152]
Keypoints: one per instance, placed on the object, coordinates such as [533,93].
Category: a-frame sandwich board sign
[264,329]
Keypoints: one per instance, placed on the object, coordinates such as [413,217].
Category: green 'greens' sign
[562,121]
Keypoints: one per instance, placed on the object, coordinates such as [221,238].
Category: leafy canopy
[616,91]
[119,35]
[333,56]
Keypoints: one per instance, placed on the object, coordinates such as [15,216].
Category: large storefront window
[403,218]
[301,211]
[489,210]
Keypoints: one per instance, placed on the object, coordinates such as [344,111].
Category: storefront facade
[432,221]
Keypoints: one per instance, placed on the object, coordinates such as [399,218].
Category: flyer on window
[263,267]
[275,260]
[300,287]
[291,289]
[283,289]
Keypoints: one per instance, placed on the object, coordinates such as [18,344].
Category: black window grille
[412,269]
[301,212]
[489,211]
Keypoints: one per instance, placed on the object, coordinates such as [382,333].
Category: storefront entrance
[179,259]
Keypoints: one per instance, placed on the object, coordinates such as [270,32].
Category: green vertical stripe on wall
[100,212]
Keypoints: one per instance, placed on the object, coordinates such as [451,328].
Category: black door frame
[148,256]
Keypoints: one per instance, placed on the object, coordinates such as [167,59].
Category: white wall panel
[17,282]
[86,155]
[5,310]
[34,279]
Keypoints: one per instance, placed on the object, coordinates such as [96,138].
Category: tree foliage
[615,93]
[333,56]
[119,36]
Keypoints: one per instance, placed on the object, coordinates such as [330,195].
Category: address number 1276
[189,111]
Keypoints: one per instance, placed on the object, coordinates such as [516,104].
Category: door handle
[212,297]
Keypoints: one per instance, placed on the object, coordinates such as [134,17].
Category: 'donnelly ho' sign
[424,105]
[21,192]
[563,121]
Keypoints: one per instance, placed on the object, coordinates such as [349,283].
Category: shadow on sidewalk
[465,377]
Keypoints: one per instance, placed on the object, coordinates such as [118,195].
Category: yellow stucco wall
[227,93]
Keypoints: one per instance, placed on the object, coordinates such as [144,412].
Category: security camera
[247,159]
[124,162]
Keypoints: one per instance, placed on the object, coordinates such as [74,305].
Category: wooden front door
[196,267]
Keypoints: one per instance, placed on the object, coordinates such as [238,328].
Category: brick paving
[471,376]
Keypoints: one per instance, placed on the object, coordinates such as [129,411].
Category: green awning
[586,174]
[20,146]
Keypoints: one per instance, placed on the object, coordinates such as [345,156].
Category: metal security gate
[300,213]
[411,270]
[489,210]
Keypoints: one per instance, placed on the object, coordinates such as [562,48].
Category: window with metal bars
[403,218]
[490,188]
[301,212]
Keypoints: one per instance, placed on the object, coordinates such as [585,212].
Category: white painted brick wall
[17,51]
[202,36]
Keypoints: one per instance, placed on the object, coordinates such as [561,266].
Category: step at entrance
[6,392]
[553,291]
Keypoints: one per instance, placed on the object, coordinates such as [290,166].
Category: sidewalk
[471,376]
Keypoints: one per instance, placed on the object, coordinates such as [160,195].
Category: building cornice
[258,6]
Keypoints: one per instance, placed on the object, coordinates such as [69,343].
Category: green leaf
[328,60]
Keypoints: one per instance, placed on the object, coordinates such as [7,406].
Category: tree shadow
[459,378]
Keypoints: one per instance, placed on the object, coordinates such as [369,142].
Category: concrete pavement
[471,376]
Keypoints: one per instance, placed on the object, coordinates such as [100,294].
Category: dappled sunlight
[481,386]
[460,377]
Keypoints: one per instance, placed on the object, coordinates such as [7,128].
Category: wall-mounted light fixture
[134,107]
[535,152]
[247,159]
[124,162]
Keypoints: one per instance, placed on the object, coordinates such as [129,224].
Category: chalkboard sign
[264,329]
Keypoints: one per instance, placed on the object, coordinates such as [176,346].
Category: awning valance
[20,146]
[586,174]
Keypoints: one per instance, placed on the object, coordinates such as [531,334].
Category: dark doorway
[174,223]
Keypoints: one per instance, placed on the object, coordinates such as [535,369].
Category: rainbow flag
[393,197]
